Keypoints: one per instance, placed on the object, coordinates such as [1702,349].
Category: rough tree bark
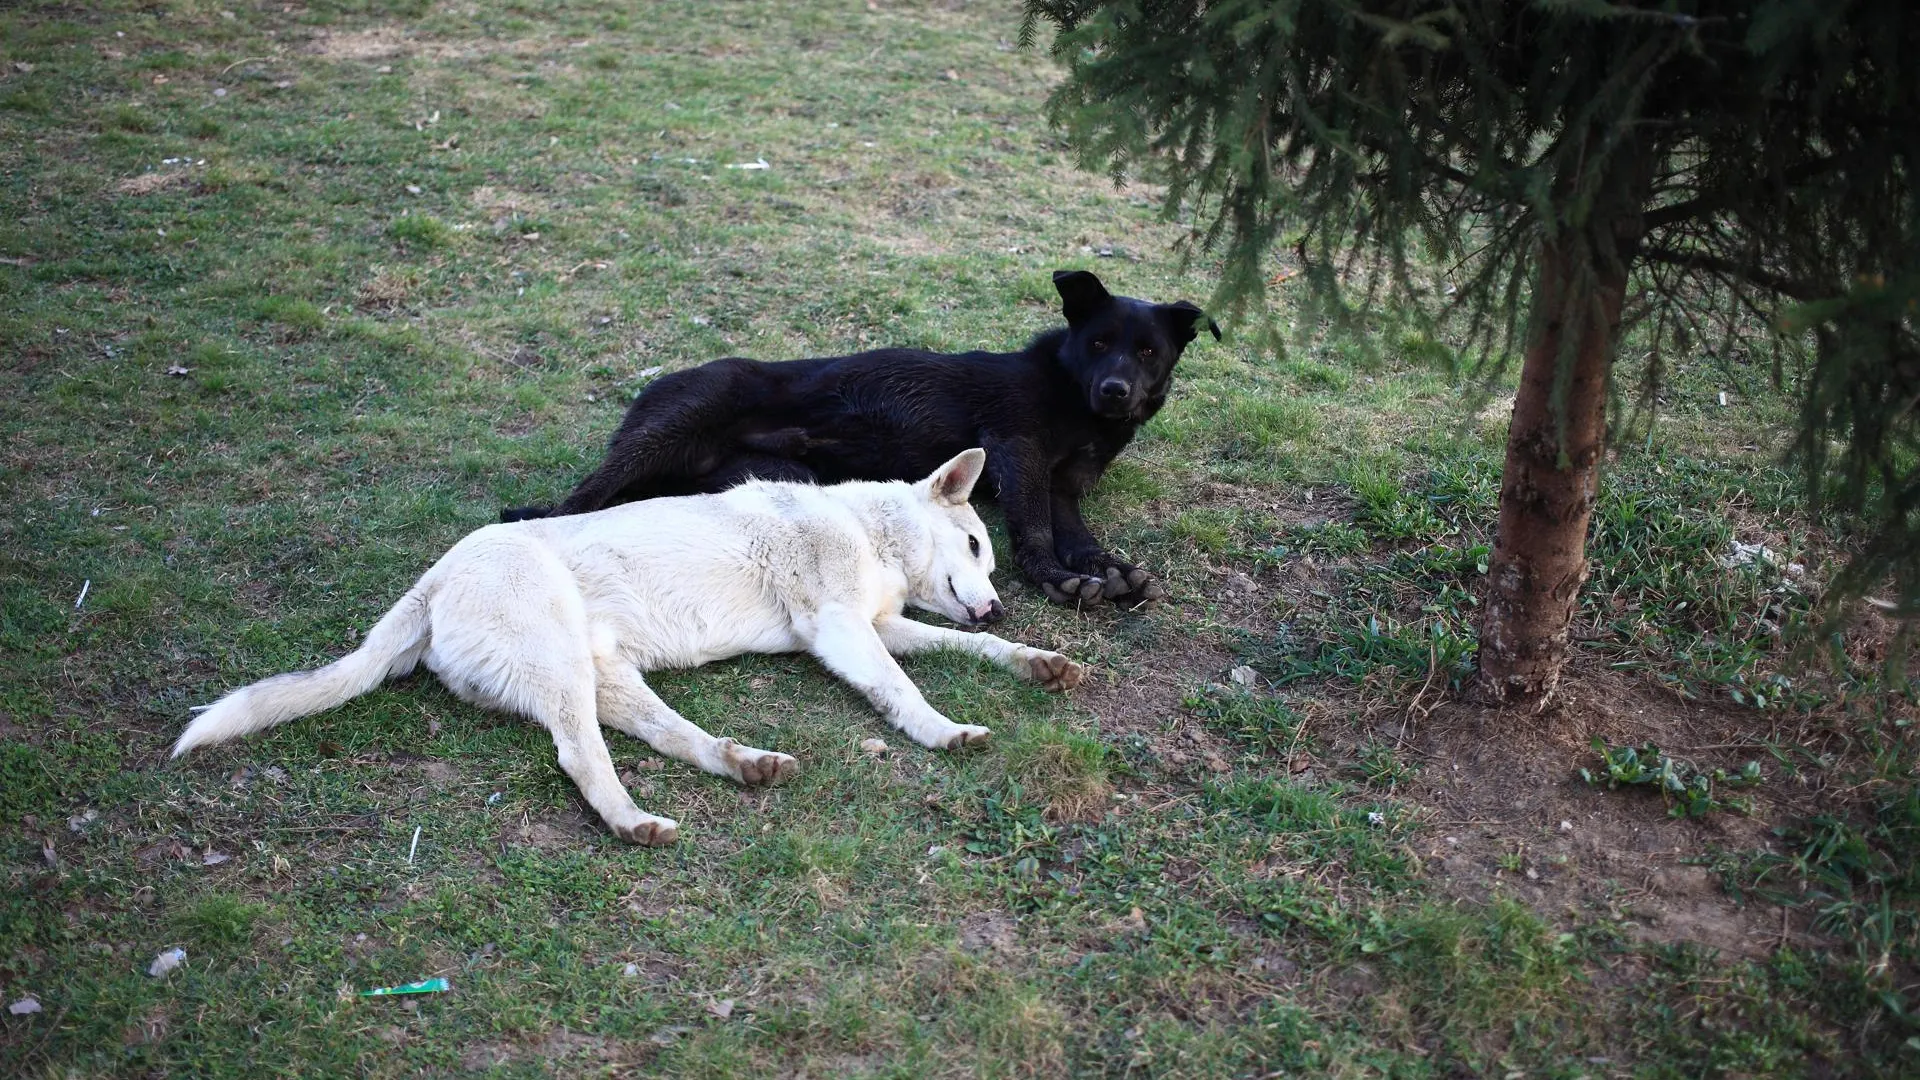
[1552,474]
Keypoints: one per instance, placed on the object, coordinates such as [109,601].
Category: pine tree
[1679,170]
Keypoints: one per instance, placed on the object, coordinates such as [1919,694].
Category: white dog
[555,619]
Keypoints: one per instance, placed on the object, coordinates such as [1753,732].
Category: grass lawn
[293,295]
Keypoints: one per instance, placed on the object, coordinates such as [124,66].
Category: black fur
[1051,417]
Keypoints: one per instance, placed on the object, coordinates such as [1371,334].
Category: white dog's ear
[952,484]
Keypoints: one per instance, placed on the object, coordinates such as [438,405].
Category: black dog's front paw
[1074,589]
[1121,582]
[1129,586]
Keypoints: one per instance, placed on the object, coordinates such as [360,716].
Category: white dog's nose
[989,612]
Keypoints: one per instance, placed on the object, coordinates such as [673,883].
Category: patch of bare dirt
[990,931]
[500,202]
[396,42]
[149,182]
[559,832]
[1507,813]
[1143,703]
[387,290]
[574,1047]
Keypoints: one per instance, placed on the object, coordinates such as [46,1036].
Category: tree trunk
[1554,449]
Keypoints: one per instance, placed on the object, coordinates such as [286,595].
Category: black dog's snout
[1114,388]
[995,612]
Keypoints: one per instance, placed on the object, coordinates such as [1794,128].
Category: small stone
[631,971]
[1244,676]
[26,1006]
[1566,826]
[873,747]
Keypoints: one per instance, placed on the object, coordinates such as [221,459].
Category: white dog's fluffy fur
[556,618]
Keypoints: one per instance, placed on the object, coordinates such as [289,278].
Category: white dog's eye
[973,545]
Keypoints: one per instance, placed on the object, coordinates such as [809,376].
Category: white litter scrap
[26,1006]
[1739,554]
[84,586]
[164,964]
[756,165]
[415,846]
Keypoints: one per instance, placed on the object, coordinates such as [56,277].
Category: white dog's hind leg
[851,649]
[516,639]
[1051,670]
[626,703]
[584,756]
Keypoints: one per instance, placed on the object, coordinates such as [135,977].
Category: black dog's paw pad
[1074,590]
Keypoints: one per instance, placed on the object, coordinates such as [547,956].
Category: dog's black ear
[1183,318]
[1081,294]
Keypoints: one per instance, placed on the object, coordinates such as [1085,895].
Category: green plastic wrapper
[430,986]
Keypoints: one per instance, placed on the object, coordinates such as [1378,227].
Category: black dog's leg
[671,436]
[637,454]
[1125,584]
[1019,475]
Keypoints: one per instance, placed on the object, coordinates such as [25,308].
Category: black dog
[1051,417]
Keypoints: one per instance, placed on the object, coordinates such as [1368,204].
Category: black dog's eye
[1098,345]
[1144,352]
[973,546]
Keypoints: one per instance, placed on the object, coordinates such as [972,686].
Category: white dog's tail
[392,647]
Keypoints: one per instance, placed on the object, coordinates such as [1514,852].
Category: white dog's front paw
[1050,669]
[959,735]
[756,768]
[646,830]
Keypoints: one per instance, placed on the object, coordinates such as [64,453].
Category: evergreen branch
[1689,260]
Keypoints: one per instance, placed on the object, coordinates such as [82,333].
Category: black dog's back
[888,414]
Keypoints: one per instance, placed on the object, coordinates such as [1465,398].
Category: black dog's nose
[996,612]
[1114,388]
